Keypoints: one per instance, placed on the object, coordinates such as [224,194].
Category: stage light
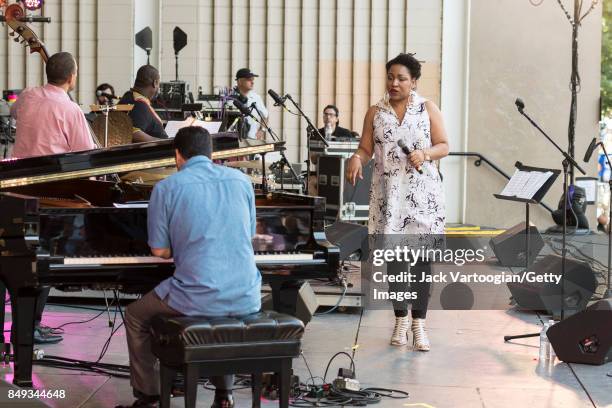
[32,4]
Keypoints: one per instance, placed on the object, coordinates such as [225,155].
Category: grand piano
[62,227]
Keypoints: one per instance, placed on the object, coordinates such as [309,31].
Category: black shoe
[226,401]
[41,338]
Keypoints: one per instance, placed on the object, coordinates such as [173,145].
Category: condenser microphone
[242,108]
[107,95]
[407,151]
[519,104]
[278,101]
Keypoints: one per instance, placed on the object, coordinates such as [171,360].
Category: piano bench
[198,346]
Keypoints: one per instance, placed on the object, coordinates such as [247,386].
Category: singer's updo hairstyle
[407,60]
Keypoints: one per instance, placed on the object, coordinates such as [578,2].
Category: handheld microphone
[519,104]
[407,152]
[278,101]
[107,95]
[242,108]
[590,150]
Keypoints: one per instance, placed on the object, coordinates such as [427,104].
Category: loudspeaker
[586,337]
[580,284]
[144,39]
[296,298]
[509,247]
[179,39]
[350,238]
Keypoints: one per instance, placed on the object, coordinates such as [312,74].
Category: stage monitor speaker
[350,238]
[586,337]
[295,299]
[509,247]
[580,284]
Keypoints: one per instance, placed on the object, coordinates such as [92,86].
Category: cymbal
[245,164]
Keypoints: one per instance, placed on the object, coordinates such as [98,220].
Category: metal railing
[478,163]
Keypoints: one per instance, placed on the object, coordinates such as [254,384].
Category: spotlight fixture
[32,4]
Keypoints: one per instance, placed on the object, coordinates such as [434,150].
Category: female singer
[406,195]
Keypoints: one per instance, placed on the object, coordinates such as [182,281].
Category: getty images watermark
[459,273]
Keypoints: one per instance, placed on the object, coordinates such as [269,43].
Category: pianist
[204,217]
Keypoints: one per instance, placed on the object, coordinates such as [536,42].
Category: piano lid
[116,159]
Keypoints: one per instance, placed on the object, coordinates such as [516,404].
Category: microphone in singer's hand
[407,151]
[243,109]
[278,101]
[519,104]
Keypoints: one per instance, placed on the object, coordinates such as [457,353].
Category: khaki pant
[144,368]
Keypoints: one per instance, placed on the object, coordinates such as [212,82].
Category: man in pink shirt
[48,122]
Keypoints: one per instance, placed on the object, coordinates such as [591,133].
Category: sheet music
[525,184]
[173,126]
[131,205]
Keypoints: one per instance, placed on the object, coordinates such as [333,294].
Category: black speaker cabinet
[295,298]
[510,247]
[580,284]
[350,238]
[586,337]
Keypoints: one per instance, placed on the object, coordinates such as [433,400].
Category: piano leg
[2,307]
[22,334]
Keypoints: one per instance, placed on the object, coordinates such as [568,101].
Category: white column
[146,13]
[454,102]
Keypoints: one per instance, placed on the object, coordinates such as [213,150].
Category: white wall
[454,102]
[146,14]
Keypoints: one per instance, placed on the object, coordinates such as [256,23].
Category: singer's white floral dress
[402,201]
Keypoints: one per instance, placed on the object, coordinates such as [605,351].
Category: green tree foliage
[606,60]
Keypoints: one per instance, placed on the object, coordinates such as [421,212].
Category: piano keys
[60,228]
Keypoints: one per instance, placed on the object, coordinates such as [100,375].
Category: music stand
[535,183]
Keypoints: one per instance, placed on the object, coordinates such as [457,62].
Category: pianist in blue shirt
[204,217]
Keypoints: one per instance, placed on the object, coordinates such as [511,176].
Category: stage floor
[469,364]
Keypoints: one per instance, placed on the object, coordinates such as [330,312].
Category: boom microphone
[407,151]
[519,104]
[242,108]
[107,95]
[278,101]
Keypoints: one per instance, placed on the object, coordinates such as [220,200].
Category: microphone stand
[311,131]
[608,293]
[284,161]
[567,160]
